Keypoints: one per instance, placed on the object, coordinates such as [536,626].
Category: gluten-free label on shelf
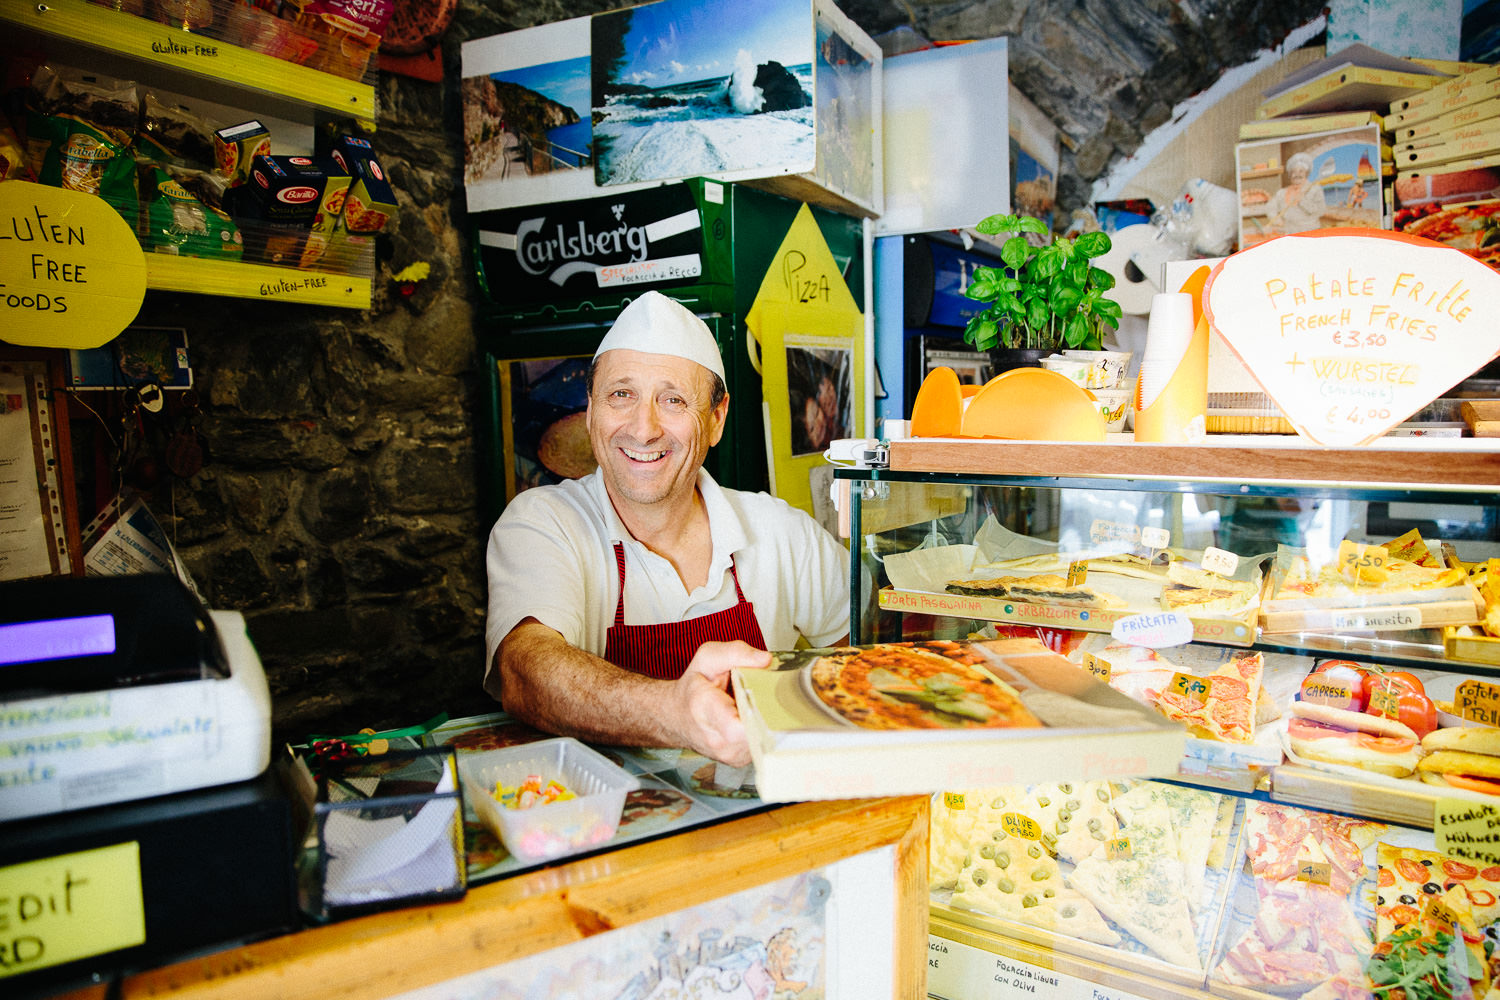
[72,906]
[1466,829]
[1353,330]
[1478,701]
[957,971]
[72,274]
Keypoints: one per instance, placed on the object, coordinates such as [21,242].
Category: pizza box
[1464,642]
[916,718]
[1236,631]
[1203,831]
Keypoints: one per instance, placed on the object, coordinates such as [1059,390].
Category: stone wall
[338,507]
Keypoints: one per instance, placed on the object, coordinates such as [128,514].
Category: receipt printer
[123,687]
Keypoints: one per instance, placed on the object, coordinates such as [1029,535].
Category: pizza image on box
[914,686]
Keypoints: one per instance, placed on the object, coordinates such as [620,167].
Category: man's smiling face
[651,421]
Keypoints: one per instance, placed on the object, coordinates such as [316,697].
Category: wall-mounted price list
[1353,331]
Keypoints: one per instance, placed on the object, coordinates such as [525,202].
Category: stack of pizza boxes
[1446,143]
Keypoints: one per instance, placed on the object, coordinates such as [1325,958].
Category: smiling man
[619,602]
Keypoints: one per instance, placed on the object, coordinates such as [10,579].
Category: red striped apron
[663,650]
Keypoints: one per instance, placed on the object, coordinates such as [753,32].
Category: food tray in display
[1299,928]
[549,831]
[1238,631]
[920,578]
[1462,642]
[1216,848]
[1143,673]
[1349,607]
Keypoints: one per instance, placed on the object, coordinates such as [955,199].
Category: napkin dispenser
[120,688]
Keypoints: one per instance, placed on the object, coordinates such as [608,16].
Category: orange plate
[938,408]
[1033,404]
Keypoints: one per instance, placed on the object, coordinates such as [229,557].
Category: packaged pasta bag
[184,213]
[13,165]
[79,126]
[348,31]
[174,134]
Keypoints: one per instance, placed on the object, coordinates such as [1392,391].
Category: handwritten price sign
[1351,331]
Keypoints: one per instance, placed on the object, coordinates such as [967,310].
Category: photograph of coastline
[688,87]
[526,120]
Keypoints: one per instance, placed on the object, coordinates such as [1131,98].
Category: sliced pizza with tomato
[1410,877]
[1224,708]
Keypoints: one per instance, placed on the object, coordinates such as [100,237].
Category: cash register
[123,687]
[134,750]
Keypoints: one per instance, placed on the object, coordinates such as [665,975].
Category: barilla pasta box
[236,147]
[348,148]
[371,201]
[288,198]
[306,191]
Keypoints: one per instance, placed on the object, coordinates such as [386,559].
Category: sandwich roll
[1354,739]
[1474,739]
[1463,757]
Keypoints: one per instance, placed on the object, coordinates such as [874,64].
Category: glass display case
[1322,622]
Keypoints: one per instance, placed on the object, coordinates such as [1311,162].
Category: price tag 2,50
[1362,563]
[1220,561]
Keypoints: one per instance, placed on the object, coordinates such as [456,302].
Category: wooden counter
[1274,459]
[385,954]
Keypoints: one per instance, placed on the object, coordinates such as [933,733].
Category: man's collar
[724,524]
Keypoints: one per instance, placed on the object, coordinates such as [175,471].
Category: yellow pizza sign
[72,273]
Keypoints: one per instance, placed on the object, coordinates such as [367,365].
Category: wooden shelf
[1465,464]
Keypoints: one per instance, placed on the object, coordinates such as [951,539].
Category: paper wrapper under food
[1179,412]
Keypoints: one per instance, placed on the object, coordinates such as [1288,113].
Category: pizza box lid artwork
[915,718]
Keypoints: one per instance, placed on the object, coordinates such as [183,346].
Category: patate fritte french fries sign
[1353,331]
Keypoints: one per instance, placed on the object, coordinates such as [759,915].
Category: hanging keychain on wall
[184,453]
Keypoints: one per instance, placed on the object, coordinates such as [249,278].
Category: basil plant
[1047,297]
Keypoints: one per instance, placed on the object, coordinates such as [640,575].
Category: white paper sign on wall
[1351,331]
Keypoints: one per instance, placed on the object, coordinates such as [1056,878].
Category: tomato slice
[1482,785]
[1491,874]
[1412,871]
[1480,897]
[1403,915]
[1458,870]
[1384,744]
[1386,878]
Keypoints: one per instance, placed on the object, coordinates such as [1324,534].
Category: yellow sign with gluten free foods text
[72,273]
[71,906]
[1351,331]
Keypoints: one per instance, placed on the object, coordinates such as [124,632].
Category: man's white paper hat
[656,324]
